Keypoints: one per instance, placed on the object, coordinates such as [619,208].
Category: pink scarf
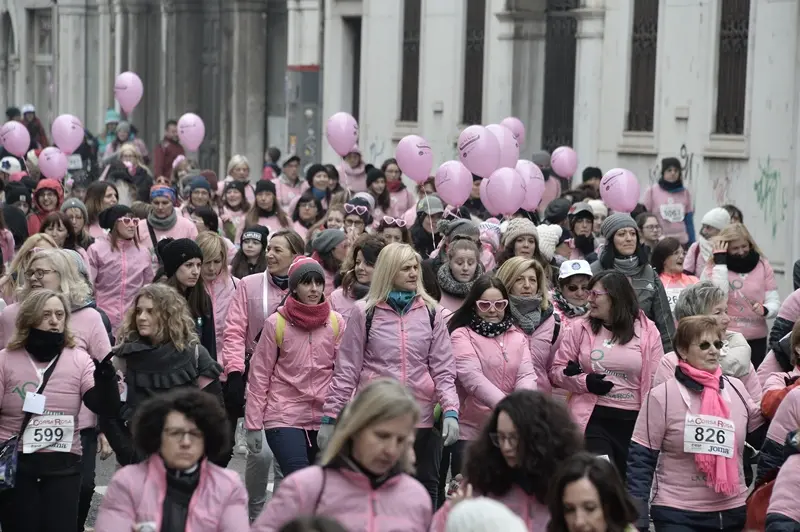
[722,474]
[307,317]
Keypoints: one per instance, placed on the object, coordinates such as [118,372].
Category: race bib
[672,296]
[672,212]
[51,432]
[74,162]
[709,435]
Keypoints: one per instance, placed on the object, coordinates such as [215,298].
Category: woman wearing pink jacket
[291,369]
[607,361]
[358,269]
[217,281]
[176,487]
[118,264]
[265,211]
[398,331]
[163,222]
[694,427]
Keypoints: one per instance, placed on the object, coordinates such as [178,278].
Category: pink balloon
[479,150]
[342,133]
[453,183]
[67,133]
[128,91]
[191,131]
[517,128]
[619,190]
[486,200]
[53,163]
[509,147]
[414,157]
[505,190]
[15,138]
[533,179]
[564,161]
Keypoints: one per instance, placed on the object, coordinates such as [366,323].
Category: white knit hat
[548,239]
[518,227]
[482,514]
[717,218]
[598,207]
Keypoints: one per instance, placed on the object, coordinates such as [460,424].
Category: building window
[642,90]
[40,46]
[409,95]
[559,75]
[734,32]
[472,112]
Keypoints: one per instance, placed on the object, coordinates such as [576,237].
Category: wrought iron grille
[559,75]
[734,33]
[409,92]
[642,90]
[472,112]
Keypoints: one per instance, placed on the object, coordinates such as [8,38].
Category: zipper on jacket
[311,380]
[373,511]
[122,279]
[403,368]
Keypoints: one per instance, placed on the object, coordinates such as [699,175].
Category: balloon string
[428,207]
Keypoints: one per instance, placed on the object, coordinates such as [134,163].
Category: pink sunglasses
[358,209]
[399,222]
[485,305]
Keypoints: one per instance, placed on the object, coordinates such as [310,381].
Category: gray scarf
[449,285]
[628,266]
[526,311]
[163,224]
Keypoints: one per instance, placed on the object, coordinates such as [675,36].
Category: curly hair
[201,408]
[174,322]
[547,437]
[30,315]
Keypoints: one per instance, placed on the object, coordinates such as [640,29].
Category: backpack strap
[154,240]
[280,328]
[556,328]
[371,313]
[334,324]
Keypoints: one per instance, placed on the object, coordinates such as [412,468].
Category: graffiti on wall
[721,181]
[771,195]
[687,164]
[377,151]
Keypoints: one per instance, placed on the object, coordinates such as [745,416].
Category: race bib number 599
[709,435]
[52,432]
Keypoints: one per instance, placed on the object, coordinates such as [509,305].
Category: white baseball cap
[28,108]
[574,267]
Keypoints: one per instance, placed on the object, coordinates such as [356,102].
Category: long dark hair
[547,438]
[618,508]
[423,241]
[58,217]
[240,265]
[662,251]
[370,247]
[196,297]
[308,197]
[464,314]
[610,252]
[624,305]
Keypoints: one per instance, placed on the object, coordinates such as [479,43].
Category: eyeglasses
[353,223]
[597,293]
[652,227]
[575,288]
[399,222]
[498,439]
[37,273]
[485,305]
[127,220]
[177,435]
[358,209]
[705,346]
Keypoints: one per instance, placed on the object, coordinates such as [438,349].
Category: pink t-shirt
[675,284]
[622,365]
[786,418]
[671,209]
[743,290]
[784,493]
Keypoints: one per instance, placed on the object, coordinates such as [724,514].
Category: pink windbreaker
[402,347]
[341,303]
[400,504]
[535,514]
[285,193]
[183,228]
[577,345]
[221,291]
[670,208]
[95,231]
[786,418]
[287,386]
[136,494]
[118,274]
[71,378]
[401,201]
[488,369]
[784,493]
[247,312]
[7,245]
[449,302]
[540,343]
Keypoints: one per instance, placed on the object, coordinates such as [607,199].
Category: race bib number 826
[709,435]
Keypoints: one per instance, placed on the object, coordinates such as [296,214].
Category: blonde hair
[130,148]
[237,160]
[514,267]
[21,259]
[390,260]
[380,401]
[174,321]
[736,231]
[30,316]
[72,285]
[212,245]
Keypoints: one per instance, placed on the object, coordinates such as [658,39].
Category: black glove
[103,399]
[234,390]
[720,257]
[790,380]
[584,244]
[572,369]
[104,371]
[596,384]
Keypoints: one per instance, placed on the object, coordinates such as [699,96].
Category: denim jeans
[294,448]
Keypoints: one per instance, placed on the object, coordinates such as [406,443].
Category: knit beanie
[373,174]
[326,240]
[541,159]
[211,177]
[17,192]
[313,170]
[264,185]
[300,267]
[518,227]
[490,233]
[199,182]
[548,239]
[360,202]
[670,162]
[557,210]
[234,185]
[255,232]
[592,172]
[598,207]
[108,217]
[366,196]
[174,253]
[75,203]
[717,217]
[482,514]
[615,222]
[456,228]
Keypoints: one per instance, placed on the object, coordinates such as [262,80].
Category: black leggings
[608,433]
[428,448]
[452,461]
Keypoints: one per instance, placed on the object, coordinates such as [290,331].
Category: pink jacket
[539,344]
[449,302]
[287,384]
[660,426]
[286,193]
[118,274]
[784,493]
[527,507]
[776,381]
[401,201]
[250,307]
[670,208]
[400,504]
[95,231]
[136,496]
[577,345]
[221,291]
[7,245]
[769,366]
[694,262]
[330,278]
[488,370]
[19,374]
[341,303]
[402,347]
[183,228]
[786,418]
[300,229]
[272,223]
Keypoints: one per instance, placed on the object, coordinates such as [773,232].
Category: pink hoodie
[287,385]
[117,275]
[488,370]
[19,373]
[527,507]
[250,307]
[400,504]
[221,291]
[670,208]
[136,496]
[784,493]
[660,426]
[402,347]
[579,345]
